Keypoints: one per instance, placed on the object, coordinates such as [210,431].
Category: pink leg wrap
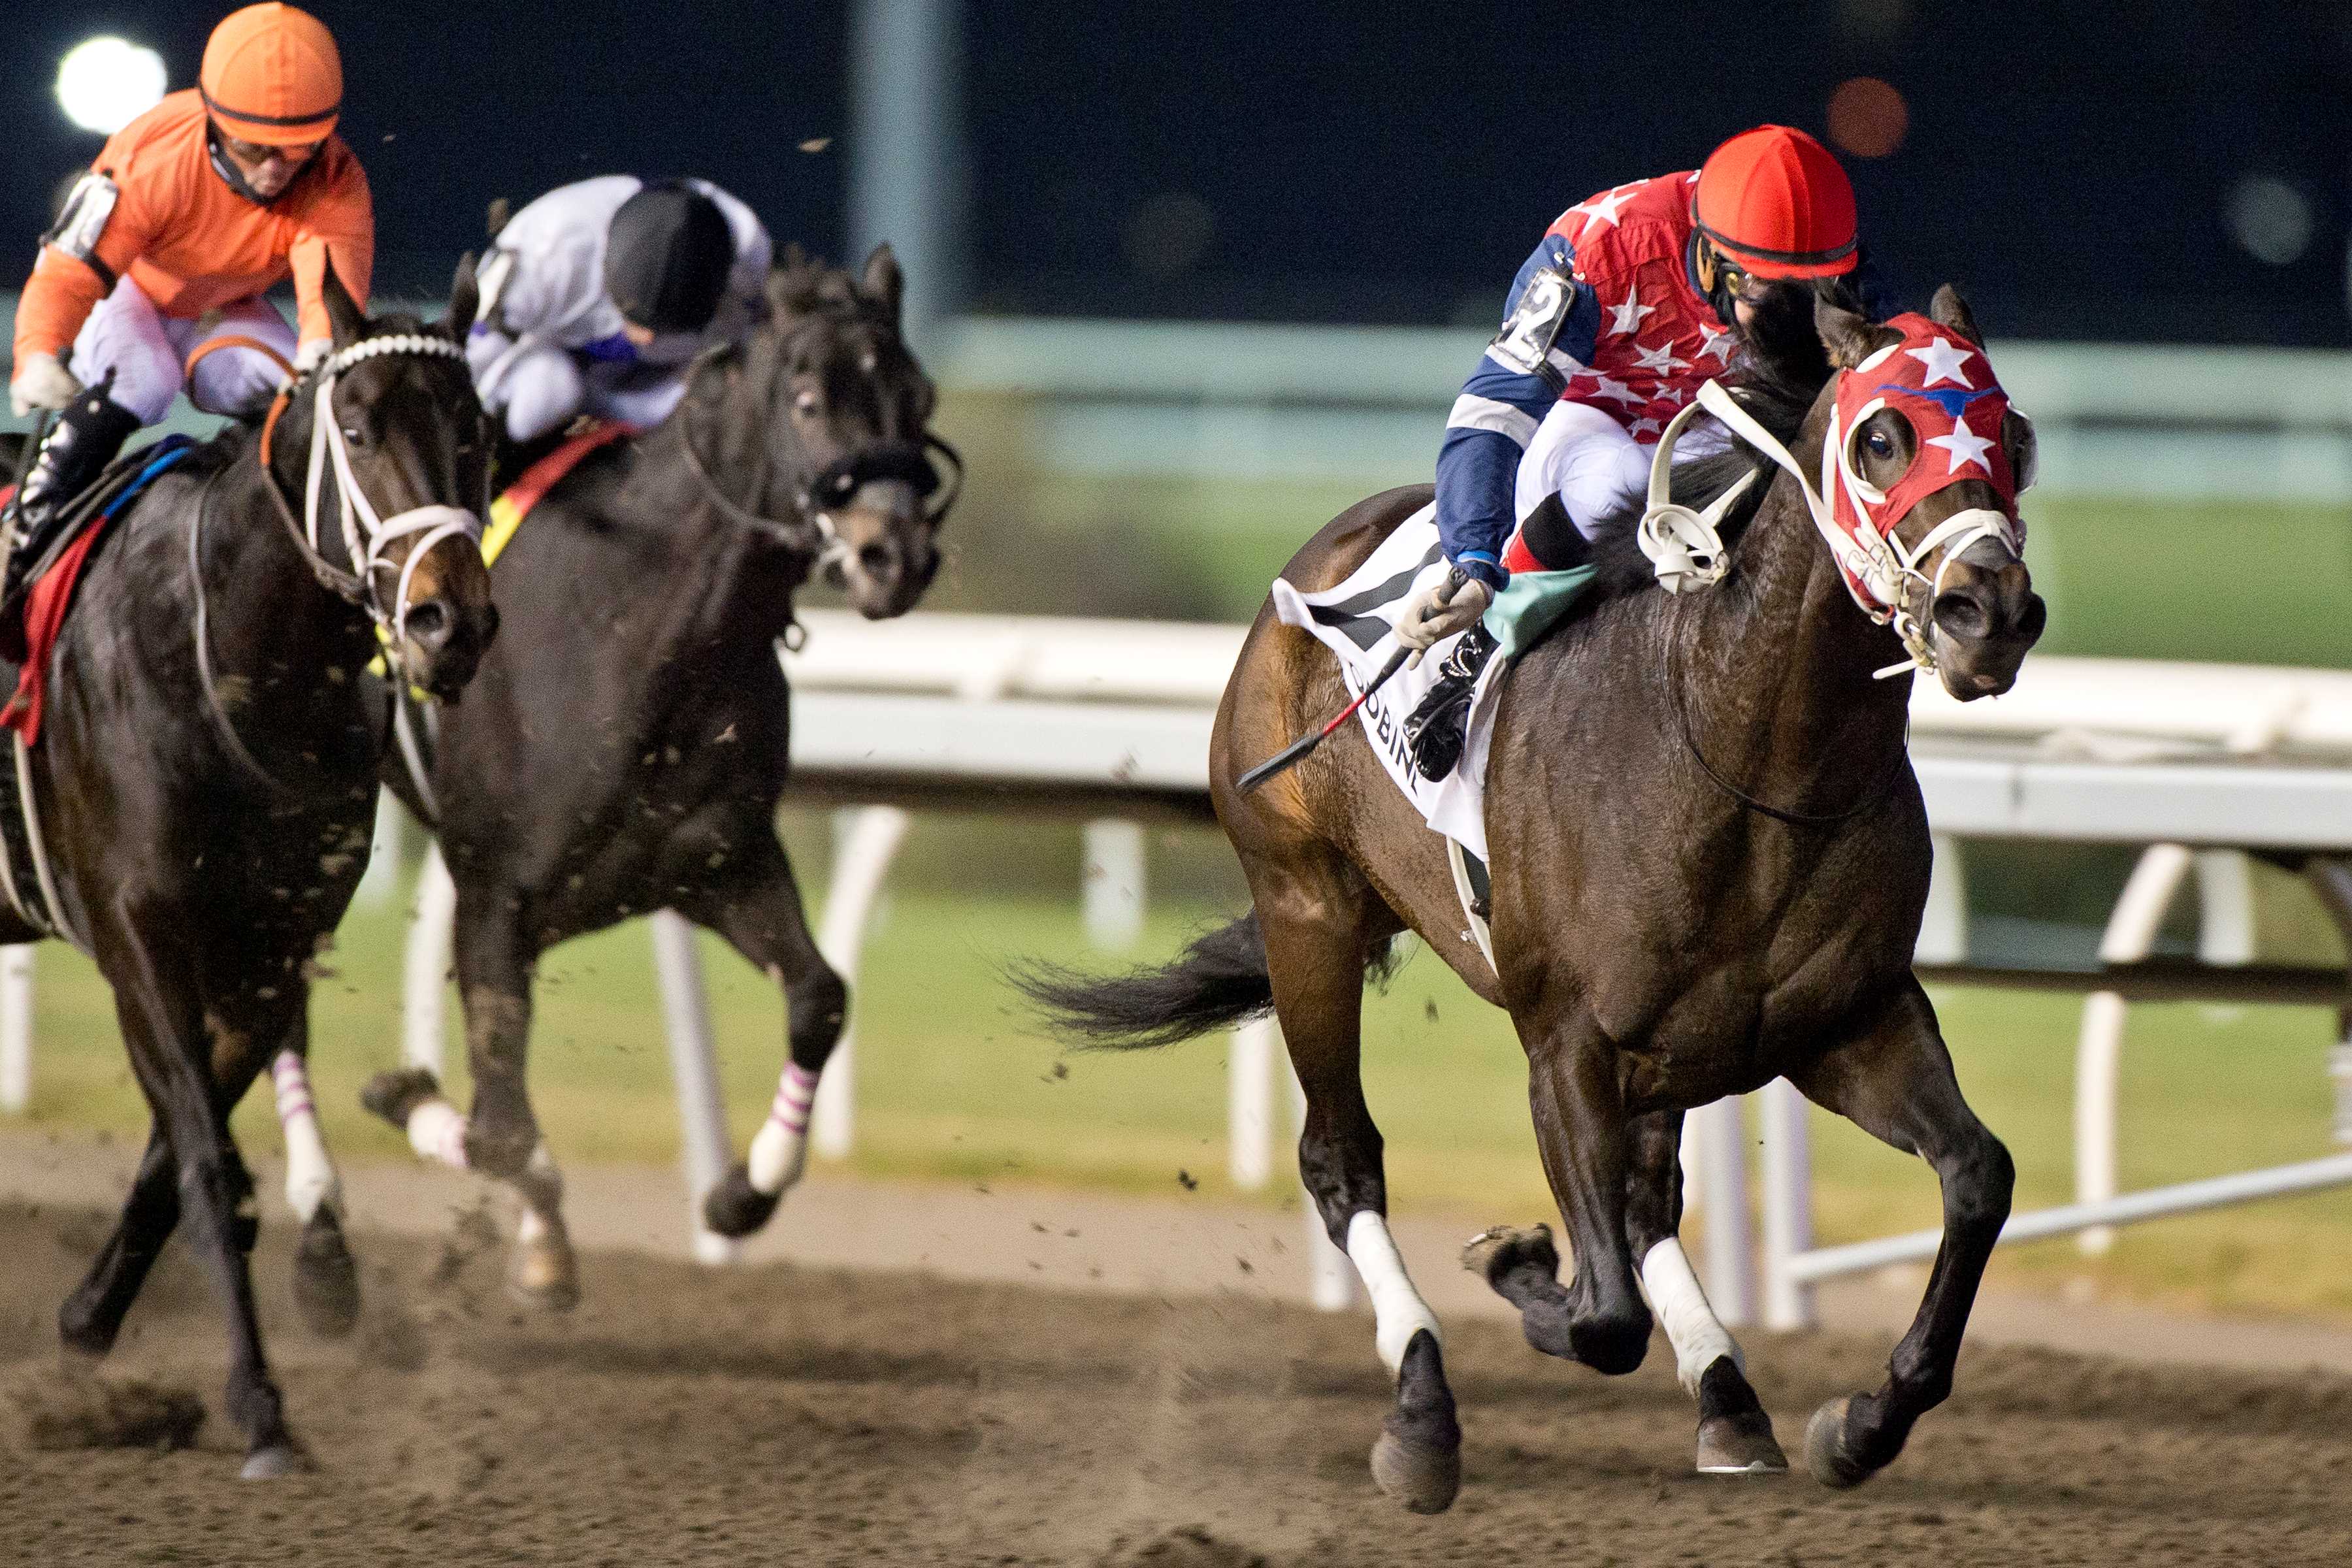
[789,1109]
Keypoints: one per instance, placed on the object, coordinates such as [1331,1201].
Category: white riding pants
[537,388]
[148,349]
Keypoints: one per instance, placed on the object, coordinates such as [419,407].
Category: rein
[1870,798]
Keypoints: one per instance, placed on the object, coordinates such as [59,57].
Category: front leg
[1895,1080]
[1580,1128]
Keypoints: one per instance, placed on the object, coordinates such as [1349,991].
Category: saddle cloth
[1356,621]
[514,504]
[52,593]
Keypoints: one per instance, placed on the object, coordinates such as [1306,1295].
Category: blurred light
[104,84]
[2270,219]
[1167,234]
[1876,21]
[1867,117]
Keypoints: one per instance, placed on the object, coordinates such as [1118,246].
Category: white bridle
[1686,549]
[367,535]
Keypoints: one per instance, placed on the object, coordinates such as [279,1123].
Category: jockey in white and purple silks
[1631,302]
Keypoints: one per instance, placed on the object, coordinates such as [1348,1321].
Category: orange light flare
[1868,117]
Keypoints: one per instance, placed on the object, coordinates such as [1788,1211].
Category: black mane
[1776,375]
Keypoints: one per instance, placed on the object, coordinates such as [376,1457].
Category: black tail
[1218,981]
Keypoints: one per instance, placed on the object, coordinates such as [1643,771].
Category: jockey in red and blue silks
[1633,301]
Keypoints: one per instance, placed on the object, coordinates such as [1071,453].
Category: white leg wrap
[436,1130]
[1398,1310]
[780,1150]
[1676,1296]
[310,1178]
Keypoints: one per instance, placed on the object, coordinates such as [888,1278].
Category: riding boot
[84,438]
[1437,730]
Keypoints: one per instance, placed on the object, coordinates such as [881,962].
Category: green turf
[953,1083]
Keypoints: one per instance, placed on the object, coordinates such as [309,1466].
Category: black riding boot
[1437,730]
[84,438]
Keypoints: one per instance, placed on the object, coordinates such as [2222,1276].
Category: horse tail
[1215,983]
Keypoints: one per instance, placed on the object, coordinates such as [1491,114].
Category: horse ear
[464,299]
[1949,309]
[343,313]
[1848,338]
[883,282]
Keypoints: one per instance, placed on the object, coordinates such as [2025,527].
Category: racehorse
[627,740]
[203,785]
[1709,860]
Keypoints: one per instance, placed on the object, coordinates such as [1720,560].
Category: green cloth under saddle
[1531,605]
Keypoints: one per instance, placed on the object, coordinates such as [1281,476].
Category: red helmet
[1775,202]
[271,75]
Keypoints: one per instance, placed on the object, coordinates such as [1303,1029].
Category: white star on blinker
[1965,446]
[1943,359]
[1660,359]
[1625,320]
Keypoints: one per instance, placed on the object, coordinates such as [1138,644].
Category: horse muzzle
[1985,619]
[883,553]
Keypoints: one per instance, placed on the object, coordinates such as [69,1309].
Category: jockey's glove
[1441,609]
[311,353]
[41,383]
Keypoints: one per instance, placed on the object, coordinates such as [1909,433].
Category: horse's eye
[353,435]
[1880,446]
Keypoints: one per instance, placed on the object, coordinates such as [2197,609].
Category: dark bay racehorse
[1709,861]
[205,782]
[627,742]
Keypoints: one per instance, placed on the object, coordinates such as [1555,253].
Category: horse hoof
[1740,1445]
[1825,1450]
[273,1462]
[326,1279]
[543,1275]
[1424,1478]
[393,1095]
[1504,1249]
[735,1207]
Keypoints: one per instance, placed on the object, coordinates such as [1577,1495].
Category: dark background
[2073,167]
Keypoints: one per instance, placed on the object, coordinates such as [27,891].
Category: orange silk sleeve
[338,228]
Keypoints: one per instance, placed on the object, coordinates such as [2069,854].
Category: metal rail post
[694,1069]
[866,841]
[431,947]
[16,1027]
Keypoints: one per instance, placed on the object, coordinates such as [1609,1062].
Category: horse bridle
[428,526]
[815,535]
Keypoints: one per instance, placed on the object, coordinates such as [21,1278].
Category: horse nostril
[2035,617]
[1961,614]
[878,560]
[430,624]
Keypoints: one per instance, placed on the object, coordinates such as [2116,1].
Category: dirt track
[794,1414]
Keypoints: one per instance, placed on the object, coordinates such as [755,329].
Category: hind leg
[759,912]
[92,1316]
[1734,1434]
[1597,1317]
[1895,1080]
[499,1137]
[1319,923]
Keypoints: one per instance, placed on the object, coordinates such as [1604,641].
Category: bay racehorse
[206,776]
[1709,861]
[625,744]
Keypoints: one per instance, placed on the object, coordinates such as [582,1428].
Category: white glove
[1440,610]
[41,383]
[312,353]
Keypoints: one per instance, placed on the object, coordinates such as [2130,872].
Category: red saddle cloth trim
[544,475]
[45,616]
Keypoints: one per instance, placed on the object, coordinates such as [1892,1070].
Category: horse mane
[1777,377]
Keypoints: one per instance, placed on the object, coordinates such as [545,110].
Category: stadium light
[105,83]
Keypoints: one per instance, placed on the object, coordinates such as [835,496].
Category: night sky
[2074,168]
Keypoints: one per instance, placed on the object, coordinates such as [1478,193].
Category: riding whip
[1300,748]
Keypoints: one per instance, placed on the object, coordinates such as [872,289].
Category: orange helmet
[1776,202]
[271,75]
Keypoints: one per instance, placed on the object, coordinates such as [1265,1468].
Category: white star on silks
[1625,320]
[1641,428]
[1618,391]
[1719,343]
[1965,446]
[1660,359]
[1943,359]
[1605,208]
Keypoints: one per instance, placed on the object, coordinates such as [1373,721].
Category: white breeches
[147,350]
[1585,457]
[537,388]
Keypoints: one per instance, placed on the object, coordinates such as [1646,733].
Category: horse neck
[731,576]
[271,623]
[1780,672]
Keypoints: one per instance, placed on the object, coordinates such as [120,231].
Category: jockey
[1631,302]
[597,297]
[187,215]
